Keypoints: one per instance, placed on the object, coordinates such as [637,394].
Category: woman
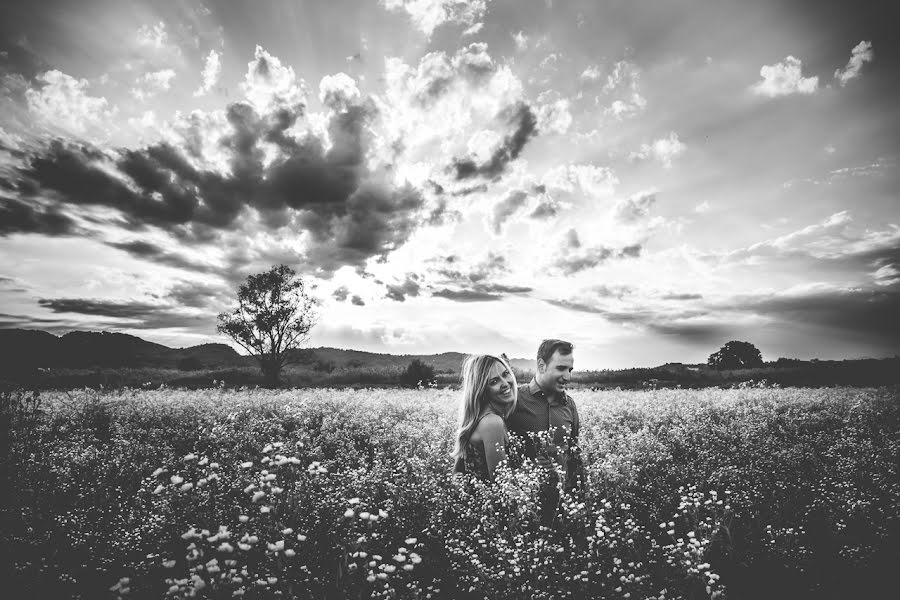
[489,396]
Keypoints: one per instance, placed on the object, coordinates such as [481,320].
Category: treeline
[784,371]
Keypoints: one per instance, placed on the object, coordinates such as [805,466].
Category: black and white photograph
[438,299]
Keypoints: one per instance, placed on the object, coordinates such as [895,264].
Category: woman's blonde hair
[475,370]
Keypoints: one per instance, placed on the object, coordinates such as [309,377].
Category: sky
[647,179]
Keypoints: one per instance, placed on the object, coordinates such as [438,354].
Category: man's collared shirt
[535,412]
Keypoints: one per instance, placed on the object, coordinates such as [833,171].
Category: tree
[417,372]
[736,355]
[273,317]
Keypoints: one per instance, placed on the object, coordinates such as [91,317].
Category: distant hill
[31,349]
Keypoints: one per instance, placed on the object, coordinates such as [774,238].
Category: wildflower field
[740,493]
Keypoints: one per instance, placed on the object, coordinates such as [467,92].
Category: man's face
[554,375]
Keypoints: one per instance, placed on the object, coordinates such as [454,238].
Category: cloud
[470,281]
[574,257]
[357,301]
[194,294]
[154,36]
[153,253]
[860,55]
[62,101]
[635,208]
[524,123]
[507,207]
[834,244]
[22,217]
[149,84]
[702,207]
[580,179]
[520,40]
[340,294]
[785,78]
[268,85]
[428,15]
[664,150]
[408,287]
[623,81]
[554,117]
[138,315]
[849,310]
[269,166]
[591,73]
[474,29]
[338,92]
[212,68]
[466,295]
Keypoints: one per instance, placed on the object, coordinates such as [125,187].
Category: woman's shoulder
[490,426]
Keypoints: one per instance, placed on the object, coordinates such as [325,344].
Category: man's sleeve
[576,422]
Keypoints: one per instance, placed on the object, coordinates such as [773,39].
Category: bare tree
[273,317]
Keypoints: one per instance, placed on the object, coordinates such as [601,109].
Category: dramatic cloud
[785,78]
[212,68]
[428,15]
[150,84]
[664,150]
[21,217]
[197,183]
[860,55]
[452,119]
[63,102]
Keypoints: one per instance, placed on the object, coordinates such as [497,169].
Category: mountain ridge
[35,348]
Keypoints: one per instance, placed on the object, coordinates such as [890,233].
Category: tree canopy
[736,355]
[274,316]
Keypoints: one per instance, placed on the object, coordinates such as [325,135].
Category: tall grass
[743,493]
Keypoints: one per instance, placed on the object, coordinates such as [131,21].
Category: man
[544,406]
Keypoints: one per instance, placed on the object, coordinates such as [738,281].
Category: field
[738,493]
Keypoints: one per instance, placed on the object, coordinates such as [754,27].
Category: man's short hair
[548,347]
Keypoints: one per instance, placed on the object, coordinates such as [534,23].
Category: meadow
[325,493]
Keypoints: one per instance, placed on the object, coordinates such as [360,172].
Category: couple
[494,405]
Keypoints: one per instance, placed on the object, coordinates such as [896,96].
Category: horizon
[645,183]
[242,352]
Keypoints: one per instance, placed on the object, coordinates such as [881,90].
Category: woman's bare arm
[492,432]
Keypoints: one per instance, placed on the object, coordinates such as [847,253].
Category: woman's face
[500,390]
